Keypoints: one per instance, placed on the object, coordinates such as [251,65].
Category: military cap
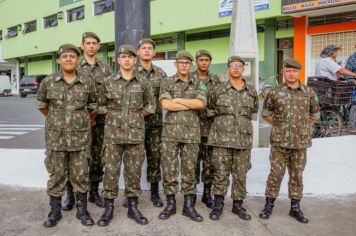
[90,35]
[235,58]
[291,63]
[68,48]
[147,40]
[127,49]
[184,55]
[203,52]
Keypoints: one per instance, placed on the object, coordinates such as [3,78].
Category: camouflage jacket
[68,122]
[233,109]
[98,72]
[290,109]
[154,76]
[182,126]
[124,102]
[205,122]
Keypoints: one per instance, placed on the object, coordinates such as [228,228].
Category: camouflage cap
[90,35]
[291,63]
[68,48]
[184,55]
[147,40]
[127,49]
[235,58]
[203,52]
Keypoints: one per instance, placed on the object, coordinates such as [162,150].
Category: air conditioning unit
[60,15]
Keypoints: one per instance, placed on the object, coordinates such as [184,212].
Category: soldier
[203,59]
[125,99]
[234,104]
[68,100]
[291,108]
[181,95]
[153,122]
[97,71]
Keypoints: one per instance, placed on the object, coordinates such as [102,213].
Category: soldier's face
[90,46]
[203,63]
[126,61]
[291,75]
[68,61]
[235,69]
[146,52]
[183,66]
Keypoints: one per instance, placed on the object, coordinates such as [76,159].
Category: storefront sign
[225,6]
[289,6]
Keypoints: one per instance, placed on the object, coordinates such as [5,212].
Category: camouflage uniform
[153,125]
[205,123]
[124,102]
[67,130]
[231,136]
[291,135]
[180,133]
[97,72]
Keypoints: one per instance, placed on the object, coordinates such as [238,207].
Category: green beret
[127,49]
[291,63]
[184,55]
[203,52]
[68,48]
[235,58]
[147,40]
[90,35]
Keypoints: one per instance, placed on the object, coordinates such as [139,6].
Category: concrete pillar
[180,41]
[54,62]
[270,67]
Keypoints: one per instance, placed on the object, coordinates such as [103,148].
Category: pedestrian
[291,108]
[153,122]
[234,105]
[125,99]
[326,65]
[68,101]
[351,64]
[181,95]
[203,60]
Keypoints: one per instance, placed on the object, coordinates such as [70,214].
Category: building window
[75,14]
[103,6]
[209,35]
[0,34]
[166,40]
[50,21]
[166,55]
[12,31]
[285,24]
[332,19]
[30,27]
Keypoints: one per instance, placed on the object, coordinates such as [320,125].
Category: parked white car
[5,85]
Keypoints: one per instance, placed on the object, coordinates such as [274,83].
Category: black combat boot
[170,209]
[267,210]
[239,210]
[55,214]
[94,196]
[125,203]
[296,212]
[69,202]
[217,207]
[82,212]
[157,202]
[189,210]
[134,213]
[207,199]
[108,213]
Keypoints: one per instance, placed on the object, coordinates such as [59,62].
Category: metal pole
[132,22]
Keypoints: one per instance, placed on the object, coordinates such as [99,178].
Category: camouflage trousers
[133,156]
[96,167]
[61,163]
[152,142]
[295,160]
[234,161]
[207,172]
[188,153]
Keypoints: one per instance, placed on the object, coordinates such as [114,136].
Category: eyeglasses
[236,66]
[184,63]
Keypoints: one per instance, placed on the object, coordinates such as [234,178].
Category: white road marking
[13,132]
[7,137]
[31,129]
[11,125]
